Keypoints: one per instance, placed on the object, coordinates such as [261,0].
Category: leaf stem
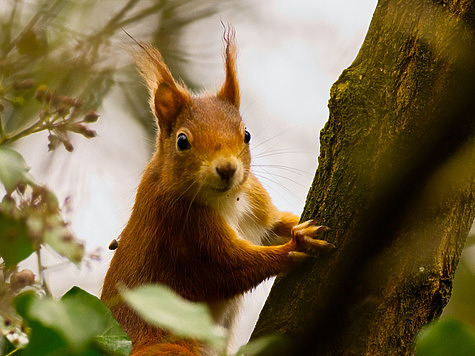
[2,129]
[12,352]
[36,127]
[41,273]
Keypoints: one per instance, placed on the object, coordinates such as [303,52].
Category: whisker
[284,168]
[271,150]
[270,237]
[277,183]
[278,152]
[259,144]
[240,153]
[174,201]
[279,192]
[279,149]
[189,208]
[191,201]
[271,138]
[284,177]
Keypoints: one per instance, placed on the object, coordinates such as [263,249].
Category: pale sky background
[290,53]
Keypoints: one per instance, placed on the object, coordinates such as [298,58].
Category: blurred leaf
[69,322]
[461,305]
[61,240]
[32,44]
[15,244]
[6,347]
[43,339]
[446,337]
[78,324]
[13,169]
[162,307]
[38,220]
[112,339]
[267,344]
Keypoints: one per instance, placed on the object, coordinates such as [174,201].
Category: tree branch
[400,115]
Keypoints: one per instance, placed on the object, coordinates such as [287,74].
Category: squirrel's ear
[167,104]
[230,89]
[167,98]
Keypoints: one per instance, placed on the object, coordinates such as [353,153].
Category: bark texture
[395,182]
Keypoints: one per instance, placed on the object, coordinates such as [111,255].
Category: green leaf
[162,307]
[43,340]
[446,337]
[13,169]
[69,324]
[59,238]
[267,345]
[78,324]
[15,244]
[32,43]
[112,339]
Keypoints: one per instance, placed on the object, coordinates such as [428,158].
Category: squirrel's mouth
[225,186]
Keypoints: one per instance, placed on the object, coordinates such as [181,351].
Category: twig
[111,26]
[41,274]
[9,27]
[4,139]
[39,14]
[12,352]
[2,129]
[142,14]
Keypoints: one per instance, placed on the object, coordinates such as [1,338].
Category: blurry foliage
[58,61]
[265,345]
[175,314]
[29,218]
[69,49]
[78,324]
[162,307]
[446,337]
[462,302]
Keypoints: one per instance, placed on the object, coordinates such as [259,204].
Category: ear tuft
[166,96]
[230,89]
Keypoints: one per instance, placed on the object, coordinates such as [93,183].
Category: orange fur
[187,221]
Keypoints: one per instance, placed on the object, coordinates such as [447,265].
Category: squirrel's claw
[318,244]
[307,228]
[304,225]
[304,234]
[297,256]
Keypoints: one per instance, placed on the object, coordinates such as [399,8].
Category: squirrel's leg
[281,231]
[238,265]
[279,224]
[288,223]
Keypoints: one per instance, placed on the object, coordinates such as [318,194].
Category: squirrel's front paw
[296,256]
[305,234]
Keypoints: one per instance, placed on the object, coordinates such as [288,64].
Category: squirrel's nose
[226,170]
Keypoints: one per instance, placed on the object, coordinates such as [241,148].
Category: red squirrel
[200,217]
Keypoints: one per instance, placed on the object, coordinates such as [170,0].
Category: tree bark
[395,182]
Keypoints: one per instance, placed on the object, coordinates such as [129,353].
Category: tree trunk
[395,183]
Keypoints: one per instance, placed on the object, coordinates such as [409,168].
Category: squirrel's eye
[182,142]
[247,137]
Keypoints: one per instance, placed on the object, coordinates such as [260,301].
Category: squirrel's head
[202,145]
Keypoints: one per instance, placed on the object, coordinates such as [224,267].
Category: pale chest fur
[237,211]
